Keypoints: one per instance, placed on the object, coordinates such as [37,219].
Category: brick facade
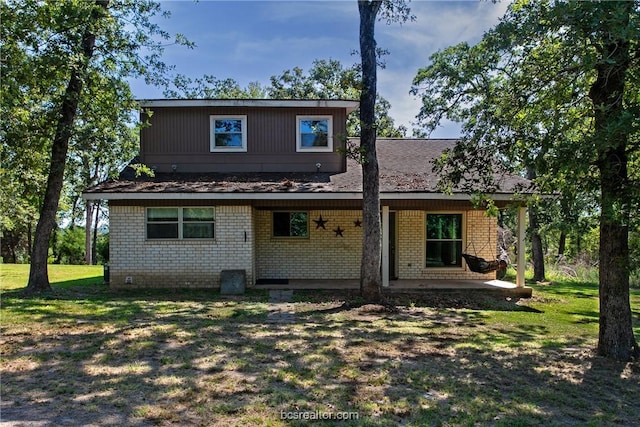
[479,229]
[178,263]
[244,240]
[323,255]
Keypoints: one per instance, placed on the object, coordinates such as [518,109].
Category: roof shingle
[405,166]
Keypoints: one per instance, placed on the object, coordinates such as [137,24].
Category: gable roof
[405,172]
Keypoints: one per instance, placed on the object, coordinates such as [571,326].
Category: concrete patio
[495,287]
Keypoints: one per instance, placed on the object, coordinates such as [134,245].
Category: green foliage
[141,169]
[69,246]
[102,249]
[209,87]
[41,45]
[522,95]
[329,79]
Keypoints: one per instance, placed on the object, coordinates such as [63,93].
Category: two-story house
[265,186]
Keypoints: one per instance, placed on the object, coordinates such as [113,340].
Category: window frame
[462,240]
[212,133]
[180,223]
[314,149]
[273,228]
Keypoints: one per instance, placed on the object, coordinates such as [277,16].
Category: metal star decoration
[357,223]
[321,222]
[338,231]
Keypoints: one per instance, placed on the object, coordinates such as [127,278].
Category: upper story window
[444,240]
[229,133]
[314,133]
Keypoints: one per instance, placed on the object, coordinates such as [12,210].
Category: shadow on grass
[425,298]
[91,299]
[202,359]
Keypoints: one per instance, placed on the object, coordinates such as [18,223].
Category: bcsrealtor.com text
[318,415]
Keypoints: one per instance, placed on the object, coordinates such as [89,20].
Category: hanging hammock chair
[481,265]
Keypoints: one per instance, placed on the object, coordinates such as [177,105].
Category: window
[180,223]
[197,223]
[162,223]
[444,240]
[229,133]
[290,224]
[314,133]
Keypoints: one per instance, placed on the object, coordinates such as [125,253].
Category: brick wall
[322,255]
[411,244]
[178,263]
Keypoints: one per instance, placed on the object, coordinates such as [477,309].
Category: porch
[494,287]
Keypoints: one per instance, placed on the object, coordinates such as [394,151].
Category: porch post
[522,210]
[385,246]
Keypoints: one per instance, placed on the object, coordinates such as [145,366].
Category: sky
[253,40]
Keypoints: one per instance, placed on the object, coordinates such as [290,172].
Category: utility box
[105,273]
[232,282]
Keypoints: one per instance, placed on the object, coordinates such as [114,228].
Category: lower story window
[290,224]
[444,240]
[180,223]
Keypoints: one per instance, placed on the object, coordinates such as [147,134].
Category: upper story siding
[180,136]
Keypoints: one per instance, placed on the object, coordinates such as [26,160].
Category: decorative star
[321,222]
[338,231]
[357,223]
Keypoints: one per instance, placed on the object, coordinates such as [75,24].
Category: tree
[57,54]
[329,79]
[209,86]
[554,86]
[370,275]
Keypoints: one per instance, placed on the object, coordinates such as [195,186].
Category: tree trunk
[537,251]
[562,244]
[370,274]
[38,274]
[615,340]
[29,238]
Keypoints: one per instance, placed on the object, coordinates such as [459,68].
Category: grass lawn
[85,355]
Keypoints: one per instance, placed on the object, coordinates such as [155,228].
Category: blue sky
[254,40]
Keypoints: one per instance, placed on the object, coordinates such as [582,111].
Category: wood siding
[181,137]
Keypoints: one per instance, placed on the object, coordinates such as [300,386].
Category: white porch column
[385,246]
[521,248]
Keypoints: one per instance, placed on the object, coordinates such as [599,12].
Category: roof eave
[349,105]
[287,196]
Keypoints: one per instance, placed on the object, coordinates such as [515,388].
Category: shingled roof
[405,167]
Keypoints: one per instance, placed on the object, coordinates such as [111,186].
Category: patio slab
[499,287]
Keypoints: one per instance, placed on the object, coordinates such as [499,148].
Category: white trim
[239,195]
[385,246]
[328,148]
[212,134]
[309,103]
